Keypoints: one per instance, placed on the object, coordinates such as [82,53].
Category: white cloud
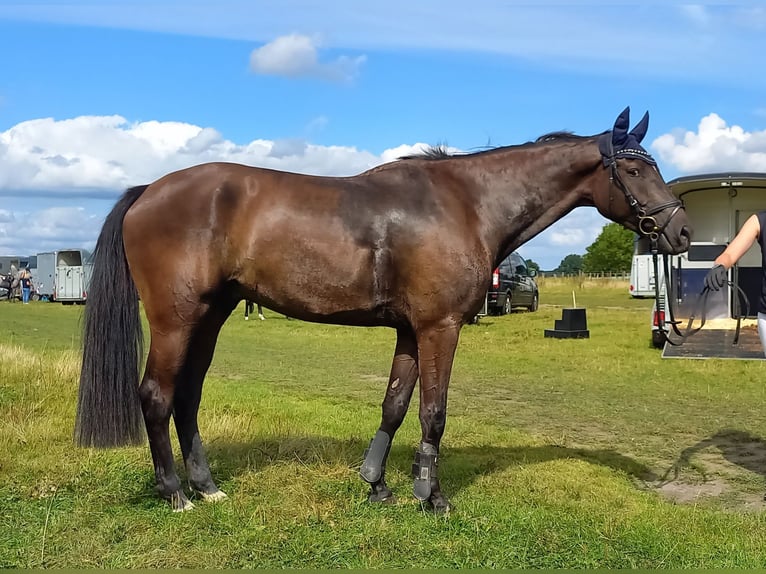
[73,160]
[669,31]
[29,232]
[296,55]
[407,149]
[715,146]
[571,234]
[76,160]
[288,147]
[696,13]
[751,17]
[317,124]
[92,153]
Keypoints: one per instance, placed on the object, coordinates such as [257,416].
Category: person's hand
[716,278]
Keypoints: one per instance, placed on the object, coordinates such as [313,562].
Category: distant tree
[533,265]
[570,265]
[612,252]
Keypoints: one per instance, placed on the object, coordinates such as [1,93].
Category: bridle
[647,223]
[648,227]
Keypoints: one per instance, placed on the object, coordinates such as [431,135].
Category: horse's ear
[620,129]
[641,128]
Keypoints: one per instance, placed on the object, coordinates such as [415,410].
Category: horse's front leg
[401,382]
[436,345]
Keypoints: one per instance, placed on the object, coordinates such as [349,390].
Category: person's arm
[740,244]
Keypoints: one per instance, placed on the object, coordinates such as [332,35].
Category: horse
[372,250]
[9,286]
[250,306]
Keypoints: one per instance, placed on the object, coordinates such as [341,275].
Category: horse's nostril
[686,231]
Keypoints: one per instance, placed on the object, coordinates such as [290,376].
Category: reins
[648,226]
[700,305]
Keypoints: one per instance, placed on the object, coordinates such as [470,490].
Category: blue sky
[96,96]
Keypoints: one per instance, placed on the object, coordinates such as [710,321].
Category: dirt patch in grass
[726,469]
[716,492]
[685,493]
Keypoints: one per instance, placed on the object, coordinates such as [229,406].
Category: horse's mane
[441,151]
[558,136]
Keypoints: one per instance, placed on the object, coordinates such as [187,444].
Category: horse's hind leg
[179,357]
[156,391]
[401,382]
[187,400]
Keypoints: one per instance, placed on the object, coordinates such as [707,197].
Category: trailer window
[705,252]
[69,259]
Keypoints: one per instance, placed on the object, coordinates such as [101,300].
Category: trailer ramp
[715,341]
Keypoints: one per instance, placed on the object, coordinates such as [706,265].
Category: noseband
[647,224]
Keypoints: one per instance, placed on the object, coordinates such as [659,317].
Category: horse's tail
[108,406]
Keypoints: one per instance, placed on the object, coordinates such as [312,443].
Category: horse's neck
[520,196]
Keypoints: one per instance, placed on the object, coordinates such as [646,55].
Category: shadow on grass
[459,466]
[738,447]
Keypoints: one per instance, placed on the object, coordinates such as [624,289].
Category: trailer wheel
[658,339]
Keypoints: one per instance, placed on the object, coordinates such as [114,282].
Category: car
[513,286]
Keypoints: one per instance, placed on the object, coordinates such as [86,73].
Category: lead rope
[699,305]
[668,289]
[657,284]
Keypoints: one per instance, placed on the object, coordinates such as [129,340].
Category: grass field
[558,453]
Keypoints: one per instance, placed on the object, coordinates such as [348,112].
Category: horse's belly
[320,282]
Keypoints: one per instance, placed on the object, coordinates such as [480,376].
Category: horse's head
[634,193]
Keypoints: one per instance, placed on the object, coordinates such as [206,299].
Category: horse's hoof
[382,497]
[216,496]
[179,502]
[438,505]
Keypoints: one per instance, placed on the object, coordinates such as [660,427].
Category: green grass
[553,456]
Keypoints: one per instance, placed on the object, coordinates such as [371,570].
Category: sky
[96,96]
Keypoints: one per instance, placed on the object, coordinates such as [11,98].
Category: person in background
[718,275]
[25,280]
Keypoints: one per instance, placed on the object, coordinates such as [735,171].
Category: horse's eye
[633,172]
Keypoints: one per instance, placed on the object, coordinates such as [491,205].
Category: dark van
[513,285]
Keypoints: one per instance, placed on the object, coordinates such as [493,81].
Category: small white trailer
[63,275]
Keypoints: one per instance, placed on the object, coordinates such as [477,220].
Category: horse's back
[311,247]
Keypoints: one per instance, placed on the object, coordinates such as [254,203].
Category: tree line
[611,252]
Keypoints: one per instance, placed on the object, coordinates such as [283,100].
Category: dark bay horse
[369,250]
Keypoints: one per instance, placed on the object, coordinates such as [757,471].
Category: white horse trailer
[642,280]
[717,205]
[64,275]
